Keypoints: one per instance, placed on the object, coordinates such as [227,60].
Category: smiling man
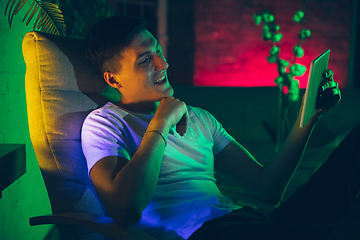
[151,157]
[142,78]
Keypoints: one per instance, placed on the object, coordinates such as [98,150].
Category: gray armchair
[61,89]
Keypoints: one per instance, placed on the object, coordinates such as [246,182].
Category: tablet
[317,68]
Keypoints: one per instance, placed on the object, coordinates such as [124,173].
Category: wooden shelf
[12,163]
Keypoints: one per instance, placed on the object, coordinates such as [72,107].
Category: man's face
[143,75]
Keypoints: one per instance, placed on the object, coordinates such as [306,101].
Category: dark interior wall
[216,43]
[356,46]
[231,52]
[181,41]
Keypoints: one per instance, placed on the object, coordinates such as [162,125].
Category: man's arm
[125,187]
[268,182]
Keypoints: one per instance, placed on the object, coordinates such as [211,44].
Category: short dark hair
[107,39]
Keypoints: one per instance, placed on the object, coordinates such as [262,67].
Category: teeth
[159,80]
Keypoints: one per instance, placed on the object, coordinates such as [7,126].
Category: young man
[151,157]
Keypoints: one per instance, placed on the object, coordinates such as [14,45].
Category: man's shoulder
[105,114]
[198,111]
[200,116]
[195,109]
[107,110]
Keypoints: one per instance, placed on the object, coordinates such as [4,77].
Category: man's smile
[159,80]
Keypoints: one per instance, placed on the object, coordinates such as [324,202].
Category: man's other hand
[329,93]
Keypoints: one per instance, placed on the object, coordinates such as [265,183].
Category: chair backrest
[61,89]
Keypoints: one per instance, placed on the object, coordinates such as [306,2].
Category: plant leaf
[33,12]
[54,16]
[49,17]
[46,24]
[37,18]
[7,5]
[18,6]
[10,11]
[28,11]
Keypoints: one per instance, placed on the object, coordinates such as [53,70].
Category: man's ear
[112,80]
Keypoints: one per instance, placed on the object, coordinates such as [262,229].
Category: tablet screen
[317,68]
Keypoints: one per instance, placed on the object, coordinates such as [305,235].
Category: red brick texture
[229,50]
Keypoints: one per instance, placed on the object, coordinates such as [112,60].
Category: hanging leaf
[268,17]
[266,33]
[14,8]
[277,37]
[298,51]
[274,27]
[257,19]
[49,17]
[293,92]
[284,63]
[279,80]
[298,16]
[274,50]
[272,59]
[305,33]
[297,69]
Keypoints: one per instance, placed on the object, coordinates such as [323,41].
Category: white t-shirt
[186,194]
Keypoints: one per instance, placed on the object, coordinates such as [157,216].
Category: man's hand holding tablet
[322,92]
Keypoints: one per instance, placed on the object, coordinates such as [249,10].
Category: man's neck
[141,107]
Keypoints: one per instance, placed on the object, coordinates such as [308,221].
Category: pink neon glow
[230,52]
[251,69]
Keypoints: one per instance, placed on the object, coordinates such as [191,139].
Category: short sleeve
[220,136]
[104,134]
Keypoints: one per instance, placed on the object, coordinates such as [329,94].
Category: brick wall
[229,50]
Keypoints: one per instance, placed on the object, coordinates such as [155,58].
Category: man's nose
[160,63]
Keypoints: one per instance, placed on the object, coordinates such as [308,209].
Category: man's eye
[145,60]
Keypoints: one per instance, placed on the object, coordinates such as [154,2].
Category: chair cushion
[61,89]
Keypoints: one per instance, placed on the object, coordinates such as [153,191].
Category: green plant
[80,15]
[49,17]
[271,34]
[287,69]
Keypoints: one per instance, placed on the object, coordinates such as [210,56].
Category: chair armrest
[97,223]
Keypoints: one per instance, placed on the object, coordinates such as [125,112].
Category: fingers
[329,93]
[181,126]
[330,98]
[174,112]
[328,74]
[329,84]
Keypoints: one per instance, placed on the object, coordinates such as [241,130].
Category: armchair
[61,89]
